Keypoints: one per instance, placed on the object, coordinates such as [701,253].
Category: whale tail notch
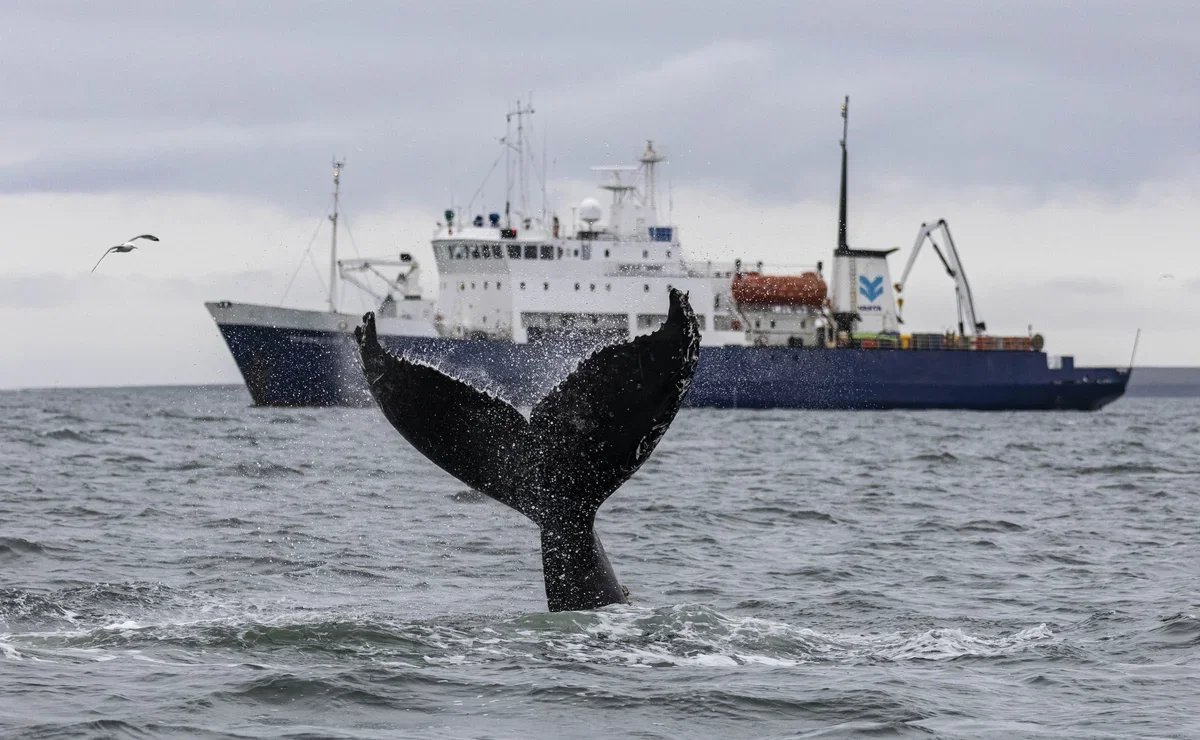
[597,427]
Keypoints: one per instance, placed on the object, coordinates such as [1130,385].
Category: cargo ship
[523,296]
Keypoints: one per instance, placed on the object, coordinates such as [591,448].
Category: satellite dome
[589,211]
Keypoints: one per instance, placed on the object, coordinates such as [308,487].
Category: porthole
[592,287]
[576,286]
[545,286]
[522,286]
[646,288]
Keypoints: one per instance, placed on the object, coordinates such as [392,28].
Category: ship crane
[968,322]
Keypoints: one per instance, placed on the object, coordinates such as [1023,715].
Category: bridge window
[606,254]
[472,286]
[608,287]
[576,286]
[522,286]
[668,254]
[560,252]
[545,286]
[592,287]
[530,251]
[485,284]
[498,286]
[646,288]
[475,252]
[650,320]
[547,251]
[514,251]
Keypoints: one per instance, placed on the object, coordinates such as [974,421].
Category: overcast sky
[1061,141]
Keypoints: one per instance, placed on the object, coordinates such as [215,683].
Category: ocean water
[174,563]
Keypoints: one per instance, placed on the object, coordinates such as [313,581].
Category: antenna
[1133,354]
[337,184]
[545,214]
[618,189]
[670,197]
[842,246]
[649,159]
[522,185]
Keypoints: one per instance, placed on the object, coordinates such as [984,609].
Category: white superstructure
[522,277]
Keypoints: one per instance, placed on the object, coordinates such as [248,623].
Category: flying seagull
[126,247]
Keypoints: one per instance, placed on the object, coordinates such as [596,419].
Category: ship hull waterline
[299,367]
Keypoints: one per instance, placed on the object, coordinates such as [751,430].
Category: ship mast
[522,187]
[648,160]
[841,245]
[333,217]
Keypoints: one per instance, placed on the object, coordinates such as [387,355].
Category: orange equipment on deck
[807,289]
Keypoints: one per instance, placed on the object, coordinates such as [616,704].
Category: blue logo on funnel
[870,289]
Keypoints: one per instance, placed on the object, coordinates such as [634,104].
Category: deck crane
[968,322]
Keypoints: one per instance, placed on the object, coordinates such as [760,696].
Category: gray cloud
[252,100]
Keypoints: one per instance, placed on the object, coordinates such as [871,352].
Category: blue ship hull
[291,367]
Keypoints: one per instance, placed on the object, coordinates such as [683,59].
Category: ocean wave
[1180,630]
[89,602]
[18,546]
[686,635]
[1120,468]
[261,469]
[990,525]
[69,435]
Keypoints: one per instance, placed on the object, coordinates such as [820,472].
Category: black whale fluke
[582,441]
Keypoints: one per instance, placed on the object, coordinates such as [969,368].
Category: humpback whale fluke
[581,442]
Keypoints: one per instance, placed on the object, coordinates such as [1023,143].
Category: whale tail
[580,443]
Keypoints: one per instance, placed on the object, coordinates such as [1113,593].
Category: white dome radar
[589,211]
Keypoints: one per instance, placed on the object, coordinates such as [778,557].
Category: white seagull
[126,247]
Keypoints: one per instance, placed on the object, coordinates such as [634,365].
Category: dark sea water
[174,563]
